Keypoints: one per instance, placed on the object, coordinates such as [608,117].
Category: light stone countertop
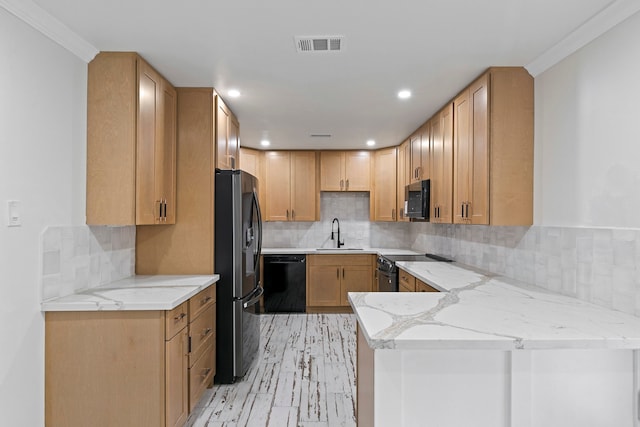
[134,293]
[333,251]
[484,311]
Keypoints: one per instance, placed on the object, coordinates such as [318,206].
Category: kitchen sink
[339,249]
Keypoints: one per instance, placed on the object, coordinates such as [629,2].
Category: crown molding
[596,26]
[39,19]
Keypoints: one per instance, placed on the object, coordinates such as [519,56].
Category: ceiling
[433,48]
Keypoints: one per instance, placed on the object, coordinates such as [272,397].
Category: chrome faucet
[332,232]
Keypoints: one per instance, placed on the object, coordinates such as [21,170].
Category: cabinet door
[415,144]
[250,162]
[446,173]
[479,208]
[355,278]
[303,186]
[324,285]
[461,156]
[166,153]
[278,186]
[436,148]
[176,379]
[425,139]
[332,171]
[385,185]
[402,178]
[222,135]
[149,108]
[233,143]
[357,171]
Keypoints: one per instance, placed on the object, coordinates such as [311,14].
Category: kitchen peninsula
[489,351]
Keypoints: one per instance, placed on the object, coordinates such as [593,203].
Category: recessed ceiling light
[233,93]
[371,143]
[404,94]
[265,143]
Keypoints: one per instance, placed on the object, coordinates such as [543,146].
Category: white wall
[42,164]
[587,141]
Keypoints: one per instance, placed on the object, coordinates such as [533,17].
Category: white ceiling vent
[319,43]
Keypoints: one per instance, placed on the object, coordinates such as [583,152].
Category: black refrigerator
[238,241]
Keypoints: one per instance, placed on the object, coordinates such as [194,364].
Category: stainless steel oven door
[387,282]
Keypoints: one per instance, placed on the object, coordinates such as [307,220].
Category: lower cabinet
[129,368]
[409,283]
[331,277]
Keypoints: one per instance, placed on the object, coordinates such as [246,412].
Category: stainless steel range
[387,271]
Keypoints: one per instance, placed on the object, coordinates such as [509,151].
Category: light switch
[13,213]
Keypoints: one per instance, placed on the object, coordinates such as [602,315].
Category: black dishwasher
[285,283]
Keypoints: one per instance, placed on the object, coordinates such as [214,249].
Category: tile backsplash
[599,265]
[81,257]
[352,209]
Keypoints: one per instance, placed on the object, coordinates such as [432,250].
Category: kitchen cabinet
[493,149]
[345,171]
[227,136]
[403,177]
[331,277]
[131,142]
[423,287]
[442,166]
[419,146]
[406,282]
[291,193]
[385,185]
[252,161]
[128,368]
[187,247]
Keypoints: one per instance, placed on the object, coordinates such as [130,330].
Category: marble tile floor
[304,376]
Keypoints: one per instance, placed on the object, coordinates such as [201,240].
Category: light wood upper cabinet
[252,161]
[227,136]
[403,172]
[493,149]
[291,193]
[442,166]
[131,142]
[345,171]
[385,185]
[419,145]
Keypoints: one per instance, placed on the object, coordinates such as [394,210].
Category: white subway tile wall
[81,257]
[352,209]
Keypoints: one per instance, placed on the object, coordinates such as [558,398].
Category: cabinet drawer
[364,259]
[423,287]
[200,375]
[201,301]
[175,320]
[202,332]
[406,280]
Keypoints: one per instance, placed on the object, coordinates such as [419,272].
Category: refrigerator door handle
[257,255]
[255,297]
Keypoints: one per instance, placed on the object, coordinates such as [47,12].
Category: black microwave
[416,198]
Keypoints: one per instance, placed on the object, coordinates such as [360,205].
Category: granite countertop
[484,311]
[134,293]
[333,251]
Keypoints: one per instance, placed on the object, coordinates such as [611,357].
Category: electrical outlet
[13,213]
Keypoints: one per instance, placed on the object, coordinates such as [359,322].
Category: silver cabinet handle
[341,184]
[287,214]
[393,214]
[180,317]
[347,186]
[206,332]
[293,215]
[205,372]
[338,273]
